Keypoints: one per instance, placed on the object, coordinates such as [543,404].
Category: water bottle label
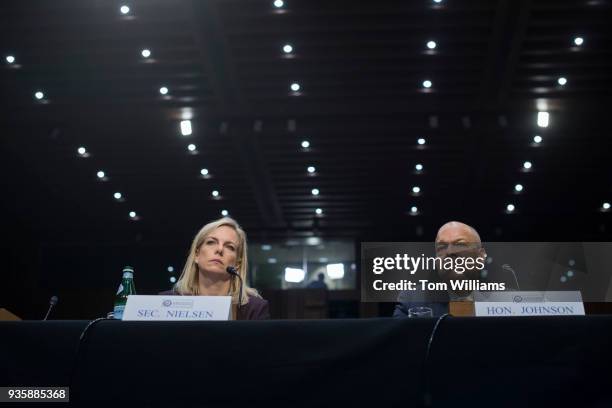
[118,312]
[120,288]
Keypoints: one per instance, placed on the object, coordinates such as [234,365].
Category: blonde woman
[218,245]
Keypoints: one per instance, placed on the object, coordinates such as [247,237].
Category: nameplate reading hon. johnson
[529,303]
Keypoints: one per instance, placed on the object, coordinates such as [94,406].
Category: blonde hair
[188,281]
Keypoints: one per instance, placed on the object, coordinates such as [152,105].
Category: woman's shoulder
[257,308]
[257,301]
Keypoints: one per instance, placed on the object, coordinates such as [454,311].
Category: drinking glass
[420,311]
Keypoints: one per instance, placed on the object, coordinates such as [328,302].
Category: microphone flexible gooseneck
[507,267]
[232,271]
[52,302]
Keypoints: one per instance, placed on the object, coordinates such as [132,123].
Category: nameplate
[494,304]
[179,308]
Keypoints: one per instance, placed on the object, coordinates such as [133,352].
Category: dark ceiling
[361,106]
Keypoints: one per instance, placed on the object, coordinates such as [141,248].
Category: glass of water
[420,311]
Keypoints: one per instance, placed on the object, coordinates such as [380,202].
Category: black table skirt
[483,362]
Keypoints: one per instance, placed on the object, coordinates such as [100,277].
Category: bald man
[454,239]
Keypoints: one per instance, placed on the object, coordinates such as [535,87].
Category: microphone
[507,267]
[234,272]
[52,303]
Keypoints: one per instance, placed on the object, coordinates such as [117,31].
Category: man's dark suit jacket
[256,309]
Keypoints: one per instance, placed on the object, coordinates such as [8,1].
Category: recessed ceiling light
[562,81]
[527,165]
[605,206]
[117,196]
[431,45]
[146,53]
[437,1]
[510,208]
[311,169]
[224,213]
[266,247]
[100,174]
[287,48]
[305,144]
[204,172]
[163,90]
[81,150]
[295,87]
[318,211]
[537,139]
[578,41]
[186,127]
[124,9]
[414,210]
[171,269]
[315,191]
[132,214]
[39,95]
[10,59]
[191,147]
[543,119]
[313,241]
[418,167]
[279,3]
[416,189]
[172,279]
[427,83]
[421,141]
[215,193]
[518,188]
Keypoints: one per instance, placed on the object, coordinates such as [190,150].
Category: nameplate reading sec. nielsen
[179,308]
[551,303]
